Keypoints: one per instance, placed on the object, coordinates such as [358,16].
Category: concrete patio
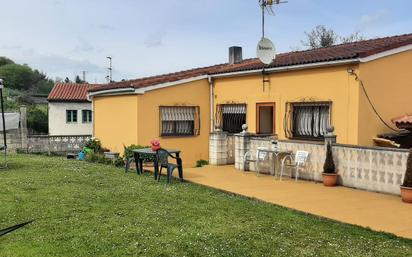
[380,212]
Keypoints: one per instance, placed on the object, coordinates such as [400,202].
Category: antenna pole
[109,69]
[263,19]
[84,75]
[4,123]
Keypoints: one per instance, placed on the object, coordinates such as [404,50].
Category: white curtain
[12,121]
[311,120]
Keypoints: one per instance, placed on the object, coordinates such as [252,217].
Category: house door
[265,118]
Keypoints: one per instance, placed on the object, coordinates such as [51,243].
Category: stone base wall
[369,168]
[221,148]
[56,144]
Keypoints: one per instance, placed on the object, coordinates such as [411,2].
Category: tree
[407,181]
[329,165]
[16,76]
[320,37]
[4,60]
[78,80]
[37,119]
[356,36]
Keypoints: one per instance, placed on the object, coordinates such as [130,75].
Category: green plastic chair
[163,160]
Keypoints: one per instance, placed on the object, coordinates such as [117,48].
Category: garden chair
[163,160]
[128,163]
[257,158]
[296,161]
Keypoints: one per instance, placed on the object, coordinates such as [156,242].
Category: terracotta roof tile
[405,119]
[347,51]
[69,92]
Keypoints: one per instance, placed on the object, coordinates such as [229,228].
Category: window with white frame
[179,120]
[71,116]
[307,120]
[86,116]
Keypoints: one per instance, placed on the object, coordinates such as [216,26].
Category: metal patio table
[137,153]
[276,153]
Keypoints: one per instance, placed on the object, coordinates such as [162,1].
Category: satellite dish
[265,51]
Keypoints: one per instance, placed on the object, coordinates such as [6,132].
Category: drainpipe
[211,102]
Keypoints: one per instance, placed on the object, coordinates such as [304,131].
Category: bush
[94,144]
[128,153]
[103,160]
[407,181]
[119,162]
[201,163]
[92,157]
[329,166]
[97,158]
[37,119]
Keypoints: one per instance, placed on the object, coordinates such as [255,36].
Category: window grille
[231,117]
[86,116]
[71,116]
[179,121]
[307,120]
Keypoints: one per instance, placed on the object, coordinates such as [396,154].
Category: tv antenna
[109,70]
[267,5]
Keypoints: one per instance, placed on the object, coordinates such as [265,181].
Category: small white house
[70,112]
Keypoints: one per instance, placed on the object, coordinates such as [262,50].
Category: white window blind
[179,120]
[231,117]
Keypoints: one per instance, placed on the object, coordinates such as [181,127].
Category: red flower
[155,144]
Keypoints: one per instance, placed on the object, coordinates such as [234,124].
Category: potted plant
[329,172]
[406,187]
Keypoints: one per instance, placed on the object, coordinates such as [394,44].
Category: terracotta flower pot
[329,179]
[406,194]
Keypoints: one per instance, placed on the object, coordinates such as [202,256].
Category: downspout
[211,102]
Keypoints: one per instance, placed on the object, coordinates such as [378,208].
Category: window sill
[177,136]
[312,139]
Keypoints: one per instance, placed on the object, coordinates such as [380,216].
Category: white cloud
[154,39]
[85,46]
[373,18]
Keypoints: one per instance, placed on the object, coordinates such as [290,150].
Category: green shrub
[92,157]
[94,144]
[37,119]
[407,181]
[329,165]
[128,153]
[201,163]
[103,160]
[119,162]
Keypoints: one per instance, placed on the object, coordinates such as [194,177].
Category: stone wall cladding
[368,168]
[221,148]
[56,144]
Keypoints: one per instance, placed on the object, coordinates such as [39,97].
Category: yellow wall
[115,121]
[388,82]
[134,119]
[321,84]
[191,94]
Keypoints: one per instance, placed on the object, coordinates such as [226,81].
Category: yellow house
[356,87]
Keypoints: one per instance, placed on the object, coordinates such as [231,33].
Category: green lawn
[84,209]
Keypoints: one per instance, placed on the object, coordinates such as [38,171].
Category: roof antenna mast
[109,70]
[265,49]
[267,5]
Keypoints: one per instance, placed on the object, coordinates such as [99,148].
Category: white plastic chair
[298,162]
[259,156]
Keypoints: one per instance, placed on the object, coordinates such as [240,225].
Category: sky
[64,38]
